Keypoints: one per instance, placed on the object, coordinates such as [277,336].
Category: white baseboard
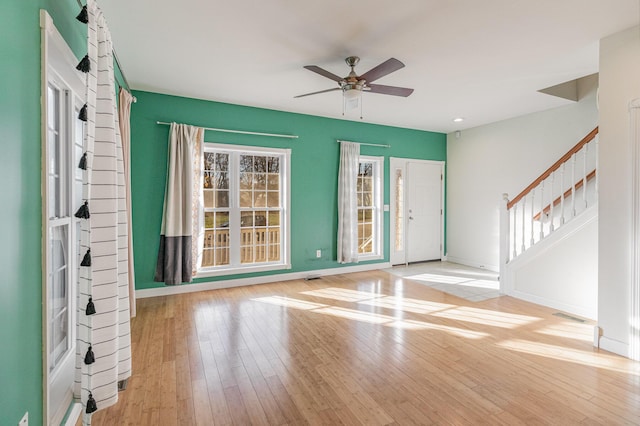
[561,306]
[265,279]
[466,262]
[614,346]
[74,414]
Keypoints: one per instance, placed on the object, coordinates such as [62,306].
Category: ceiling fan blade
[389,90]
[315,93]
[387,67]
[324,73]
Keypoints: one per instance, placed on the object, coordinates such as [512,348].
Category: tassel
[86,260]
[89,358]
[83,162]
[83,16]
[91,308]
[83,211]
[84,65]
[82,115]
[91,405]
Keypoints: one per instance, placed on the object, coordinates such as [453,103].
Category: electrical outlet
[318,253]
[25,420]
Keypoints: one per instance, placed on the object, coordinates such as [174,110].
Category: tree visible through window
[216,206]
[369,206]
[244,207]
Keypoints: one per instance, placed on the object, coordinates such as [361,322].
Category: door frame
[401,163]
[58,67]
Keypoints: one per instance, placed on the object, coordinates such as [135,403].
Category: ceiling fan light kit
[353,85]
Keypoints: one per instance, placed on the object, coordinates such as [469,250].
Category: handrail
[567,193]
[554,167]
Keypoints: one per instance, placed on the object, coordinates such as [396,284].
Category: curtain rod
[124,77]
[242,132]
[369,144]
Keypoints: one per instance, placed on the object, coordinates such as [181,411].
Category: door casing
[397,257]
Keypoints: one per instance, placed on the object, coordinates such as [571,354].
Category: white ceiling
[482,60]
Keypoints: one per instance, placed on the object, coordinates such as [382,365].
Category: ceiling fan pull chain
[344,104]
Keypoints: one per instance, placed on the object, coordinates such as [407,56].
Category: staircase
[548,237]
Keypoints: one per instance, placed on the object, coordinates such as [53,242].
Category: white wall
[619,84]
[503,157]
[551,274]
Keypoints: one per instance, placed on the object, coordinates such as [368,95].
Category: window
[369,189]
[245,209]
[62,148]
[399,210]
[64,195]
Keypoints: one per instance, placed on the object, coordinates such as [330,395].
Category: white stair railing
[548,202]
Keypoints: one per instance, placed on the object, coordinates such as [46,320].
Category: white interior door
[424,211]
[416,226]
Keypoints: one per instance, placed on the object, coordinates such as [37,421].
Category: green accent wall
[20,286]
[314,170]
[20,217]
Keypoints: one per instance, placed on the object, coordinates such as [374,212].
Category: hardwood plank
[236,406]
[201,405]
[365,348]
[168,404]
[287,405]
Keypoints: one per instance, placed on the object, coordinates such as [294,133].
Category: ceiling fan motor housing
[353,84]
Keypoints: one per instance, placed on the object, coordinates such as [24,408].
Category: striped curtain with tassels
[104,342]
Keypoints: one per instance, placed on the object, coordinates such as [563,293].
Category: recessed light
[458,120]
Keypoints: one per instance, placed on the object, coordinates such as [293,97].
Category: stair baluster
[514,237]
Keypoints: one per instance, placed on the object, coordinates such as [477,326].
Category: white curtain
[124,115]
[103,282]
[348,202]
[177,239]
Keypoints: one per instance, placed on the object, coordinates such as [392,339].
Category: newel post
[504,241]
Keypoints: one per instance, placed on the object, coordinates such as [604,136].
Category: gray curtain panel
[175,258]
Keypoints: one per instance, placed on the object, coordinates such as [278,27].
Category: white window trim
[58,66]
[378,217]
[285,223]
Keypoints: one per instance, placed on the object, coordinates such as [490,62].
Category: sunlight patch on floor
[562,353]
[368,317]
[288,302]
[408,305]
[581,332]
[486,317]
[475,285]
[343,294]
[420,325]
[439,279]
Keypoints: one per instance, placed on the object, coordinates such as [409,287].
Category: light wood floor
[366,348]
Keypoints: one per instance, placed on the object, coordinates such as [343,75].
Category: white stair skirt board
[238,282]
[578,295]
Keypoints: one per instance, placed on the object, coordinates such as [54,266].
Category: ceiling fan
[353,84]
